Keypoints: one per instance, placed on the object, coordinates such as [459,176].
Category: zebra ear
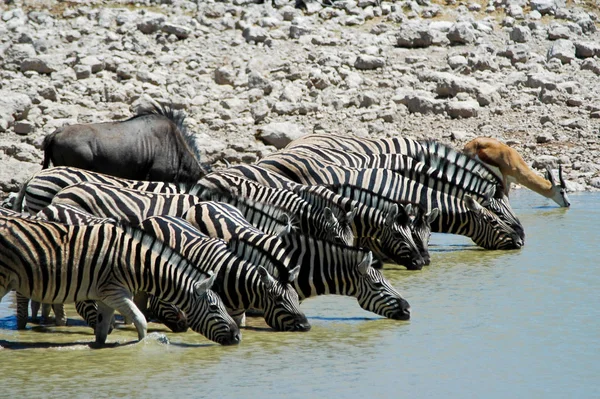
[350,215]
[364,265]
[204,285]
[294,273]
[265,277]
[329,216]
[432,215]
[391,215]
[286,230]
[473,205]
[408,209]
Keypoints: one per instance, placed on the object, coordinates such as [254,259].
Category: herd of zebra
[321,216]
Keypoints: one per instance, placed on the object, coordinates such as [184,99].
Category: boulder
[279,134]
[562,49]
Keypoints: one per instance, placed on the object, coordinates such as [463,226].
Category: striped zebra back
[264,176]
[327,268]
[361,145]
[42,187]
[123,204]
[71,215]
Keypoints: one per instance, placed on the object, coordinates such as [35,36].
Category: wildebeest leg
[127,308]
[59,314]
[105,315]
[22,308]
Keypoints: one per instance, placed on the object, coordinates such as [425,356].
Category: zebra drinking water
[55,263]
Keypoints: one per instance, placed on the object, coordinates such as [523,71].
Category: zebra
[150,306]
[320,219]
[131,206]
[23,302]
[446,163]
[55,263]
[459,214]
[241,284]
[325,267]
[377,229]
[39,190]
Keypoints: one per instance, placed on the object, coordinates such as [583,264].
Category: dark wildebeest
[153,145]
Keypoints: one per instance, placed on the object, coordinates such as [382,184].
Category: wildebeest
[153,145]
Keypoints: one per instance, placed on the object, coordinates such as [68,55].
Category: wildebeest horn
[560,177]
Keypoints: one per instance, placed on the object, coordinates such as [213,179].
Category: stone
[562,49]
[591,64]
[414,36]
[515,11]
[544,161]
[181,32]
[587,49]
[296,31]
[558,31]
[518,53]
[39,64]
[457,61]
[13,106]
[520,34]
[49,93]
[255,34]
[224,76]
[544,138]
[95,64]
[462,109]
[368,62]
[280,134]
[546,6]
[23,127]
[83,71]
[420,102]
[151,23]
[461,33]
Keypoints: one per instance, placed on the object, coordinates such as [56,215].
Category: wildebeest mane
[178,118]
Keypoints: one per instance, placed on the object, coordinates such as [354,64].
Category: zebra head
[397,242]
[168,314]
[376,294]
[340,227]
[280,302]
[492,232]
[207,315]
[496,201]
[421,229]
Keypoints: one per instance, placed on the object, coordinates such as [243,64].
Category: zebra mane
[293,238]
[261,257]
[157,246]
[178,118]
[446,160]
[259,214]
[319,197]
[374,199]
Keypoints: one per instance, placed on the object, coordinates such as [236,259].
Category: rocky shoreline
[253,76]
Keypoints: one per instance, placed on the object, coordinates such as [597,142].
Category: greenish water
[485,324]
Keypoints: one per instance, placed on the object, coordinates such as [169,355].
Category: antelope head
[559,191]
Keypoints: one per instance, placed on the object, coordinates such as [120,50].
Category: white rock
[562,49]
[280,134]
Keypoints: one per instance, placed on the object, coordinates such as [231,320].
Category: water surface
[521,323]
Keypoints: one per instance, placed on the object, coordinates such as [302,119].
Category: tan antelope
[512,167]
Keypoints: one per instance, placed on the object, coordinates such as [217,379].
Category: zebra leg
[104,318]
[141,301]
[35,308]
[88,310]
[22,308]
[46,311]
[127,308]
[59,314]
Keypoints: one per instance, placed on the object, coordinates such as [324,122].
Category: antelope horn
[560,177]
[549,176]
